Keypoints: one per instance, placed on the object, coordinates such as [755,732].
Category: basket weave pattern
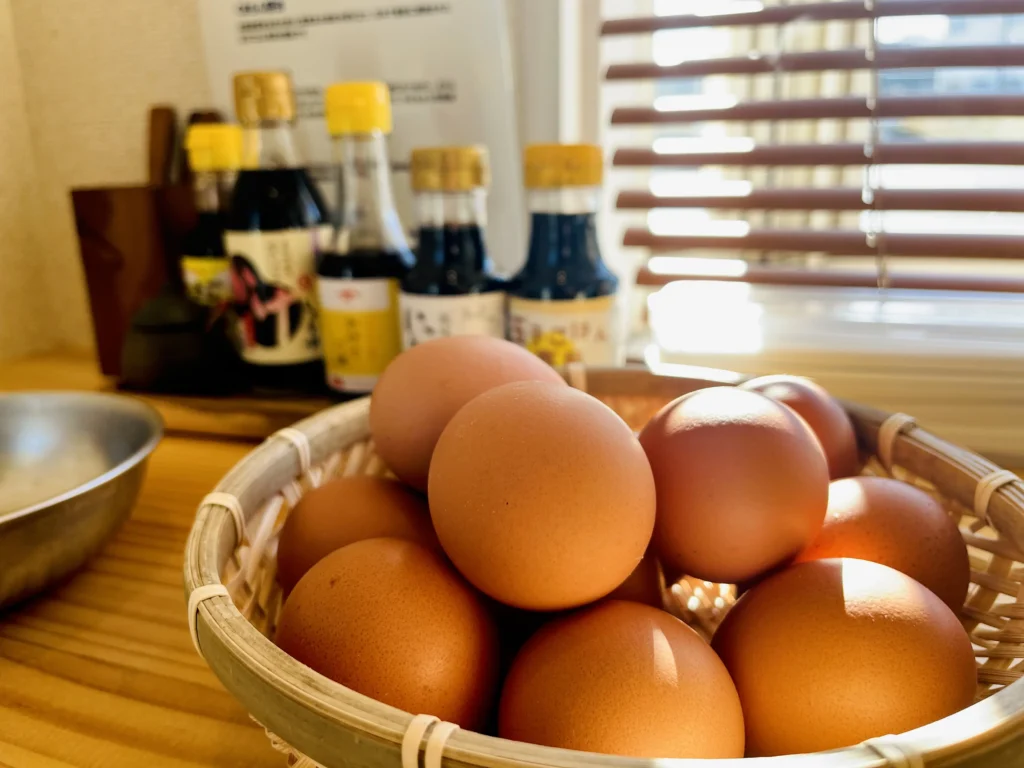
[993,613]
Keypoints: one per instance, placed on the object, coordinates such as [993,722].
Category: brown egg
[424,386]
[823,415]
[344,511]
[895,524]
[646,584]
[623,679]
[391,620]
[742,484]
[829,653]
[541,496]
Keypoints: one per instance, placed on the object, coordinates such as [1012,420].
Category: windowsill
[952,360]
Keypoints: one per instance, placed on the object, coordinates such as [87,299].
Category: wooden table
[245,418]
[100,672]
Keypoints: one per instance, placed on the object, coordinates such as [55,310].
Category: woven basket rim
[247,661]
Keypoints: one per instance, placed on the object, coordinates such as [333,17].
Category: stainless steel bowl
[71,465]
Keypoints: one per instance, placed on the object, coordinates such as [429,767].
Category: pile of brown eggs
[509,580]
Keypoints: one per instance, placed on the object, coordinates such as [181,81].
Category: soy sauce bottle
[562,303]
[451,290]
[275,226]
[359,272]
[214,155]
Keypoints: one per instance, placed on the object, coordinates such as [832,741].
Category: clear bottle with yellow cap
[562,304]
[359,274]
[214,155]
[451,291]
[276,225]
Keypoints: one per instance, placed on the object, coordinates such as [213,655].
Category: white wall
[23,293]
[90,71]
[554,45]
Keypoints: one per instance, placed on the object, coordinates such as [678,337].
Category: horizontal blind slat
[840,279]
[837,243]
[849,107]
[827,11]
[835,199]
[926,153]
[822,61]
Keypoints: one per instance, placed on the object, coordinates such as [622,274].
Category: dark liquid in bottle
[203,262]
[270,200]
[275,198]
[561,304]
[207,237]
[451,291]
[564,260]
[451,261]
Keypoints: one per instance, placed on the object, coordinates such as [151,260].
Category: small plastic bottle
[451,291]
[275,228]
[214,155]
[359,273]
[562,304]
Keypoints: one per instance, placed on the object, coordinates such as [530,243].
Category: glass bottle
[451,290]
[275,227]
[562,303]
[359,273]
[214,155]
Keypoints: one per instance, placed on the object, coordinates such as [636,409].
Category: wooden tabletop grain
[100,672]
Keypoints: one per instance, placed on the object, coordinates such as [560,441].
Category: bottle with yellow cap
[562,304]
[451,291]
[214,155]
[276,225]
[359,274]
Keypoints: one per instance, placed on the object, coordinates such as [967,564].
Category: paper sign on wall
[447,63]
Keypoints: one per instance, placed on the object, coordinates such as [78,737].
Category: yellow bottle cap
[214,147]
[263,96]
[357,108]
[425,169]
[449,169]
[547,166]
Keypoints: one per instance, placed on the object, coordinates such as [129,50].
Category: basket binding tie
[440,732]
[895,754]
[301,443]
[231,503]
[197,596]
[887,434]
[987,487]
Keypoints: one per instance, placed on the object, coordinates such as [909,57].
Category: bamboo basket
[234,601]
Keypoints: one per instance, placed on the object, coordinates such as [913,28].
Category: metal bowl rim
[142,409]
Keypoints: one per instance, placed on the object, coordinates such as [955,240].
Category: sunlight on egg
[663,657]
[864,579]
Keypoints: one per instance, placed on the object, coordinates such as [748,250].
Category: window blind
[843,131]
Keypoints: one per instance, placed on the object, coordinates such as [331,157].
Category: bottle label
[359,324]
[433,317]
[206,279]
[272,277]
[566,331]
